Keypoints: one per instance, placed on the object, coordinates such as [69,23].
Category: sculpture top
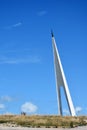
[52,33]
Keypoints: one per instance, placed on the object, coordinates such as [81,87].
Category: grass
[43,121]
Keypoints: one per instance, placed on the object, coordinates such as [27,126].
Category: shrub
[71,124]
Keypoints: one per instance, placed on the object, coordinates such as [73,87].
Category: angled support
[61,81]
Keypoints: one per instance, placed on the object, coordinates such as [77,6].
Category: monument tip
[52,33]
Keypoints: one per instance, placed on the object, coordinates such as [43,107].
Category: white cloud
[2,106]
[13,26]
[8,60]
[8,113]
[66,112]
[28,107]
[6,98]
[15,51]
[78,109]
[42,13]
[17,24]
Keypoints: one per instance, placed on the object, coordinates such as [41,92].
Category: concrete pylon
[61,81]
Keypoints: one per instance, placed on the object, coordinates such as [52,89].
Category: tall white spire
[61,81]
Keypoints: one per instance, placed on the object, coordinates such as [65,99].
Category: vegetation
[43,121]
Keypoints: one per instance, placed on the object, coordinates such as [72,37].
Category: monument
[61,81]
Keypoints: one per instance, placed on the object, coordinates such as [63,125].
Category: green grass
[43,121]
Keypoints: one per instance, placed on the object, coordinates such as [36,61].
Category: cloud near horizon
[6,98]
[29,107]
[2,106]
[8,113]
[66,112]
[78,109]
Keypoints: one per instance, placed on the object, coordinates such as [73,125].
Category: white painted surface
[61,81]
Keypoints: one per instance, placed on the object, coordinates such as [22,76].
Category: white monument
[61,81]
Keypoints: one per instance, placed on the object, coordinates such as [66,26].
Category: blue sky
[27,79]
